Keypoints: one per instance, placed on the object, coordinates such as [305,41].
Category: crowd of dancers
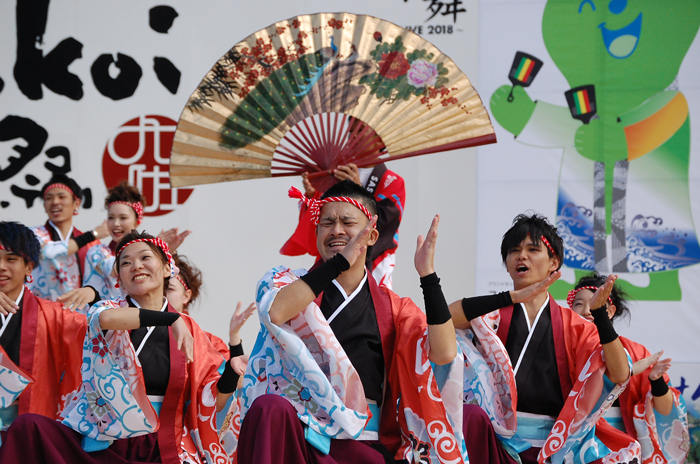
[100,361]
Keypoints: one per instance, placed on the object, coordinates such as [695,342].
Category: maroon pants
[35,439]
[272,433]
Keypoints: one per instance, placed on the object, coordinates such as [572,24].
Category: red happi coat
[637,413]
[50,353]
[580,366]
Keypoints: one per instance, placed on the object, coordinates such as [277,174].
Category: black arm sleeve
[478,306]
[149,318]
[97,295]
[436,309]
[84,239]
[229,379]
[659,387]
[606,331]
[236,350]
[319,278]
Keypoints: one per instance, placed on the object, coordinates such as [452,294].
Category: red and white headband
[61,186]
[316,205]
[182,281]
[174,270]
[572,295]
[137,207]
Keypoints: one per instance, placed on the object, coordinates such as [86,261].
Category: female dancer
[184,290]
[124,204]
[129,353]
[649,410]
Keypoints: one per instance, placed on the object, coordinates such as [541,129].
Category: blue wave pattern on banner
[575,227]
[653,247]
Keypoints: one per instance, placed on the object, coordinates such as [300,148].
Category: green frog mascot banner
[599,130]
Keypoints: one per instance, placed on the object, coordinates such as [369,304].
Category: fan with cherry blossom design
[317,91]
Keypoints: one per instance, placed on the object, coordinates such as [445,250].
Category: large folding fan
[317,91]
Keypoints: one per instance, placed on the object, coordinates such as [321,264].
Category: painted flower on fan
[422,73]
[393,65]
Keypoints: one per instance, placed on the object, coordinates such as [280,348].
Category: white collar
[347,298]
[6,319]
[70,232]
[531,330]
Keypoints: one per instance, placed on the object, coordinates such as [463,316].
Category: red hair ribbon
[572,294]
[61,186]
[316,205]
[174,270]
[137,207]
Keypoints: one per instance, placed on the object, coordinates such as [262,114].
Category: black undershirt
[537,380]
[12,336]
[357,331]
[154,358]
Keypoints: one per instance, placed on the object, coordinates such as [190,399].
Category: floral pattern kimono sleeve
[111,402]
[13,381]
[97,272]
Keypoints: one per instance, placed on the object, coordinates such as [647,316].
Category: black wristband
[322,276]
[149,318]
[229,379]
[481,305]
[436,309]
[235,350]
[84,239]
[659,387]
[97,295]
[606,331]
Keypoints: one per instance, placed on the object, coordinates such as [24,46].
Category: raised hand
[172,238]
[239,364]
[600,297]
[101,230]
[309,189]
[183,338]
[529,293]
[77,298]
[237,321]
[359,242]
[348,172]
[7,305]
[425,249]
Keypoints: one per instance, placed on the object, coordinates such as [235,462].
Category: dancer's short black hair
[618,296]
[67,181]
[20,240]
[124,192]
[536,226]
[348,188]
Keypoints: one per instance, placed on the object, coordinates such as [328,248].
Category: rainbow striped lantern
[523,71]
[581,102]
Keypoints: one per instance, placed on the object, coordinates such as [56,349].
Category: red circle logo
[139,153]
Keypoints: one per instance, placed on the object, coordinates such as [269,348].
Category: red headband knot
[174,270]
[572,294]
[316,205]
[61,186]
[137,207]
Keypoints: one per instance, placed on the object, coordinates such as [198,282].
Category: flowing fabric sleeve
[659,434]
[200,441]
[429,408]
[111,402]
[303,362]
[13,380]
[49,249]
[97,271]
[489,380]
[573,436]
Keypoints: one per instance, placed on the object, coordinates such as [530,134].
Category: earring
[75,212]
[29,279]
